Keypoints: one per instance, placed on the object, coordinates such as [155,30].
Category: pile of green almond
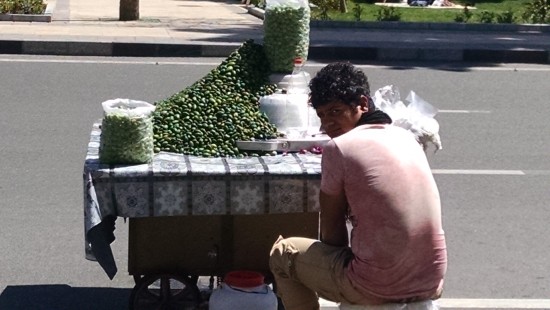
[208,117]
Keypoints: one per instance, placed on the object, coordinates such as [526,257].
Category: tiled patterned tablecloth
[181,185]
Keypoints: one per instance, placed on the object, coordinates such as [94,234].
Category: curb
[429,54]
[316,52]
[434,26]
[115,49]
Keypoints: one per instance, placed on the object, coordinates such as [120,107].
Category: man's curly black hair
[339,81]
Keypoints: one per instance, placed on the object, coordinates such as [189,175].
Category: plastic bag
[417,116]
[126,132]
[286,33]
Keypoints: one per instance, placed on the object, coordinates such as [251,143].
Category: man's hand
[334,209]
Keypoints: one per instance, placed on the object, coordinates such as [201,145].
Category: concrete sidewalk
[193,28]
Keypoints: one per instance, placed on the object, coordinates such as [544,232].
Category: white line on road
[470,303]
[478,171]
[501,67]
[463,111]
[491,172]
[509,67]
[465,303]
[111,60]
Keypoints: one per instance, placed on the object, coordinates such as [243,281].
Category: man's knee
[276,255]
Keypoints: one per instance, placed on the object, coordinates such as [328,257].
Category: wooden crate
[211,244]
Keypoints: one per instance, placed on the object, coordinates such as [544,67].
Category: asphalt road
[493,172]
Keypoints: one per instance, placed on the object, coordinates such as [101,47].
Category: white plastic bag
[127,107]
[296,4]
[126,132]
[417,116]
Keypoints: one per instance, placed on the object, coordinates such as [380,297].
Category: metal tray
[283,144]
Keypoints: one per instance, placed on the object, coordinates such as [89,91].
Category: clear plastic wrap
[286,33]
[126,132]
[416,116]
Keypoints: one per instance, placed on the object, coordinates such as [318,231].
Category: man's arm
[333,219]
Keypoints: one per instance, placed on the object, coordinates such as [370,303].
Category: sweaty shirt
[397,237]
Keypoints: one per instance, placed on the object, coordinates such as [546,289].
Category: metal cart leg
[165,291]
[137,278]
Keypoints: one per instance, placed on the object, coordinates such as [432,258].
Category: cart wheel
[166,292]
[137,278]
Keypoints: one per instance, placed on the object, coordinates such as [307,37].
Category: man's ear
[364,104]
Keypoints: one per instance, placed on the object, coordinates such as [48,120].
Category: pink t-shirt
[397,238]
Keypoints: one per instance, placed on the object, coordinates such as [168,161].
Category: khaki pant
[305,269]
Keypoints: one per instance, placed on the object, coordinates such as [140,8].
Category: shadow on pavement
[227,34]
[63,297]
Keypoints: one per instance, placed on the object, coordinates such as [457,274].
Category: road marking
[470,303]
[465,303]
[463,111]
[509,67]
[478,172]
[491,172]
[110,61]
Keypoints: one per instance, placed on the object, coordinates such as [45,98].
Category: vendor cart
[192,216]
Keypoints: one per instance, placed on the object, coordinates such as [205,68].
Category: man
[376,177]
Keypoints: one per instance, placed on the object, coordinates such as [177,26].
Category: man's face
[337,118]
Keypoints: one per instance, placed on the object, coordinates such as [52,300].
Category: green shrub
[22,6]
[464,16]
[357,12]
[537,12]
[486,17]
[506,17]
[322,8]
[258,3]
[388,14]
[321,13]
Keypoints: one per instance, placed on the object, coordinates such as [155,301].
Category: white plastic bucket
[243,290]
[419,305]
